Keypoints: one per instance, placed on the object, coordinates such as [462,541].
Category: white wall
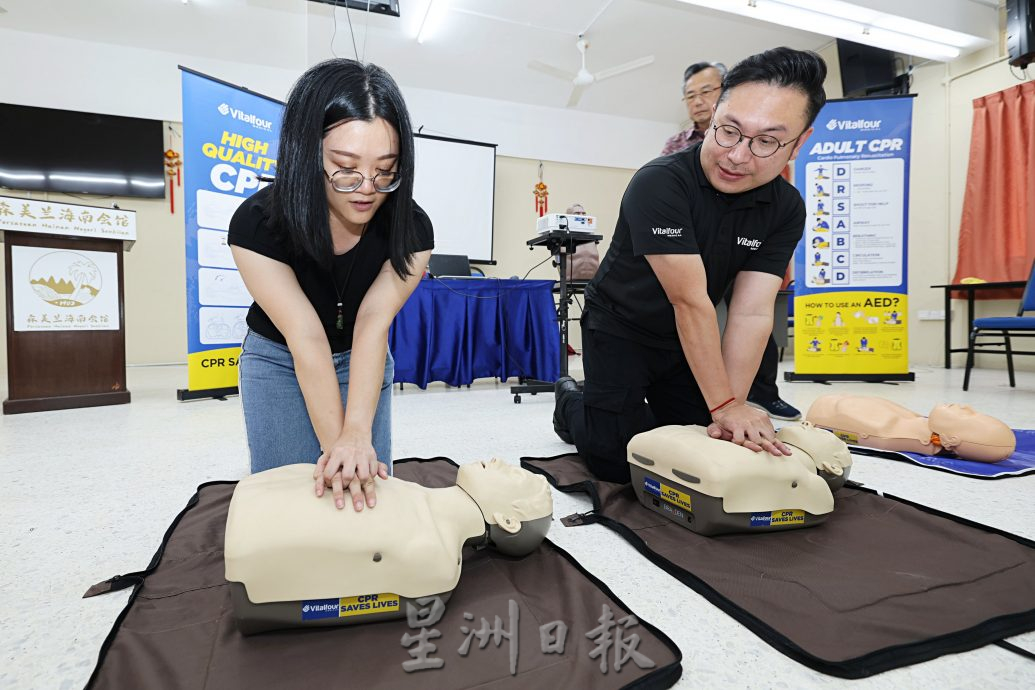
[527,131]
[93,77]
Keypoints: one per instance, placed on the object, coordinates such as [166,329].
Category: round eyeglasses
[760,145]
[351,180]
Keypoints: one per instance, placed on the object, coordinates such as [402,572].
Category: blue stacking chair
[1005,327]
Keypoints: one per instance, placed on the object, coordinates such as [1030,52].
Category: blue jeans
[275,416]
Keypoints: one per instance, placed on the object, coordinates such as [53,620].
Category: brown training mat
[883,583]
[177,630]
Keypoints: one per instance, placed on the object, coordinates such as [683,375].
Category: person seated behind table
[330,252]
[585,260]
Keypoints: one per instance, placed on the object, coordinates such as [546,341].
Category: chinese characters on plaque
[64,290]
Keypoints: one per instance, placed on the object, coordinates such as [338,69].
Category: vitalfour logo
[668,232]
[860,125]
[316,608]
[253,120]
[320,608]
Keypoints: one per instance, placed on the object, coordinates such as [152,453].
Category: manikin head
[972,435]
[516,504]
[829,454]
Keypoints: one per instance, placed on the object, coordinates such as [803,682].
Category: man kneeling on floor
[690,225]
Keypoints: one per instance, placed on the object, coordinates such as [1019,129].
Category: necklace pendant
[340,323]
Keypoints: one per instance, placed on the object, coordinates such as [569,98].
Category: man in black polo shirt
[690,226]
[702,86]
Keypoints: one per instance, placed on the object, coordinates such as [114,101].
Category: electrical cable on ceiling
[348,15]
[334,34]
[366,32]
[352,32]
[1024,74]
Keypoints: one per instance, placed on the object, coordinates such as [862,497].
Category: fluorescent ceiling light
[146,183]
[22,176]
[853,23]
[95,179]
[881,20]
[431,22]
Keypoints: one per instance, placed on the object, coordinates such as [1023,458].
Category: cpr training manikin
[716,487]
[879,423]
[294,560]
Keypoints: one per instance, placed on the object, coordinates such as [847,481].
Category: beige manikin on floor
[88,493]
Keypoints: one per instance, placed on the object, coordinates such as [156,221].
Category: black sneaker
[777,409]
[564,385]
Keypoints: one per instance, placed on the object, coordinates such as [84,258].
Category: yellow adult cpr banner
[851,333]
[850,269]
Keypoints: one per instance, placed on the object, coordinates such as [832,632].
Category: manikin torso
[285,544]
[883,424]
[745,480]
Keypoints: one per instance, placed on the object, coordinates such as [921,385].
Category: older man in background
[702,84]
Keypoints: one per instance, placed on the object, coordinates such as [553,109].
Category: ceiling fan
[583,78]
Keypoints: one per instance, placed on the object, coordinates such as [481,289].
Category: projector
[566,222]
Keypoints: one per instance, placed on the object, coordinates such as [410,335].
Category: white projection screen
[454,184]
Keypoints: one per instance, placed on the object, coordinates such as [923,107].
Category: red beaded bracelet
[719,407]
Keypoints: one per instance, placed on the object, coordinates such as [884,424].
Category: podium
[66,328]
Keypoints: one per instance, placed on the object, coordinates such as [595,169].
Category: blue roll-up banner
[850,269]
[230,138]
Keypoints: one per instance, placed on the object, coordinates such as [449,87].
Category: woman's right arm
[275,288]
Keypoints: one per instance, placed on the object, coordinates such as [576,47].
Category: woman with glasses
[330,251]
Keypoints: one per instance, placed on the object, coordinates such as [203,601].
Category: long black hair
[803,70]
[326,94]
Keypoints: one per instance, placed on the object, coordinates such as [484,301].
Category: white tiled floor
[86,494]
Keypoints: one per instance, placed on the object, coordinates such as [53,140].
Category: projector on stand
[566,222]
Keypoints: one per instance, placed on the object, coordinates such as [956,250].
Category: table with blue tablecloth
[460,330]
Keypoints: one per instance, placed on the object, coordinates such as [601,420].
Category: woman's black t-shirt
[352,272]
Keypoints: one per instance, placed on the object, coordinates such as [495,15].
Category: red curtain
[997,230]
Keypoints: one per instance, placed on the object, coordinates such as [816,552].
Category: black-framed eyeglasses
[760,145]
[346,180]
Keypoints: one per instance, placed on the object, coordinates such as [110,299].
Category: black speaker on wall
[1020,32]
